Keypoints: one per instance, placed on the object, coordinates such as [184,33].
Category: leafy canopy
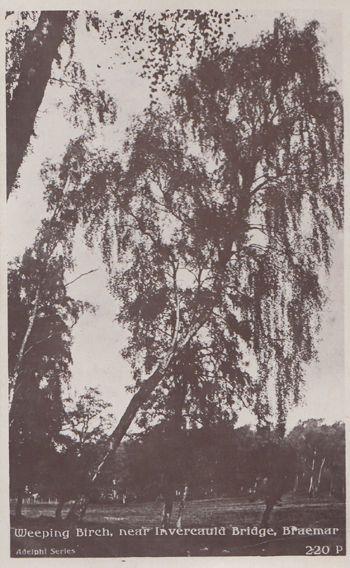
[220,224]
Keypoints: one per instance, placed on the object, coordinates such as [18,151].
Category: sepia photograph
[175,282]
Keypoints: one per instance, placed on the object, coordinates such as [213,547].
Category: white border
[108,5]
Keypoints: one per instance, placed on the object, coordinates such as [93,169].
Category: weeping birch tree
[217,231]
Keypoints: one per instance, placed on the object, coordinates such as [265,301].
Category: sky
[98,339]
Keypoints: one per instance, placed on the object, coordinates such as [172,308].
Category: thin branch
[177,324]
[81,276]
[269,179]
[21,352]
[143,231]
[72,84]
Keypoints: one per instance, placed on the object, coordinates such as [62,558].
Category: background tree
[277,466]
[321,457]
[226,461]
[224,221]
[33,278]
[88,418]
[40,337]
[36,408]
[38,419]
[86,423]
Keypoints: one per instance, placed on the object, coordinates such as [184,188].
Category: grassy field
[225,512]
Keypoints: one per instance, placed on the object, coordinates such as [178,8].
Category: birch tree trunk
[296,484]
[78,509]
[311,485]
[320,475]
[19,502]
[167,509]
[267,514]
[15,380]
[39,53]
[141,396]
[59,508]
[177,428]
[182,507]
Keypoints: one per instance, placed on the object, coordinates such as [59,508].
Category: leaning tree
[217,231]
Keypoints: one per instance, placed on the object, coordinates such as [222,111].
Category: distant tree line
[219,460]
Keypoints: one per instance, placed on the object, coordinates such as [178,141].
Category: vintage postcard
[173,241]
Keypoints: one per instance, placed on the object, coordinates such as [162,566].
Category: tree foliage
[321,457]
[86,423]
[88,417]
[221,223]
[41,49]
[41,316]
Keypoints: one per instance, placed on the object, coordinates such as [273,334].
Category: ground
[223,512]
